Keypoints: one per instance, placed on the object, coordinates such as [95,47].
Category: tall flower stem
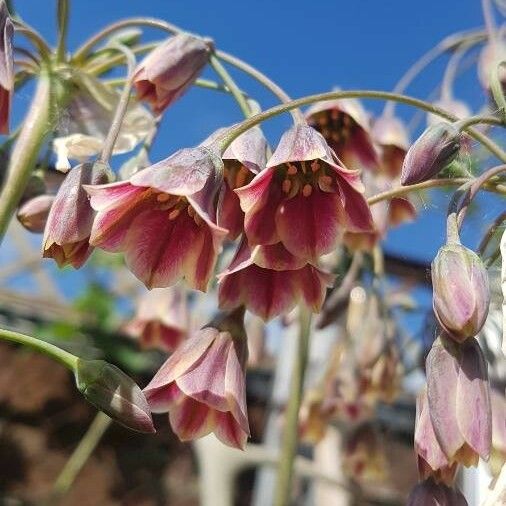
[63,357]
[239,129]
[448,43]
[36,125]
[80,456]
[231,85]
[63,21]
[291,429]
[121,108]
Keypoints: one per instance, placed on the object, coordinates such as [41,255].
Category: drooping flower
[345,126]
[303,199]
[457,383]
[431,460]
[434,150]
[391,135]
[68,227]
[430,493]
[164,219]
[491,55]
[86,120]
[170,69]
[6,68]
[161,319]
[33,214]
[461,292]
[202,385]
[243,159]
[269,281]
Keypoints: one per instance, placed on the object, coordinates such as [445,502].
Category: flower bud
[110,390]
[170,69]
[429,493]
[437,147]
[461,291]
[34,212]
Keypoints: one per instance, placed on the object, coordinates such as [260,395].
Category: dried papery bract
[33,214]
[430,493]
[345,126]
[161,319]
[202,385]
[270,281]
[68,227]
[164,219]
[434,150]
[312,199]
[243,159]
[457,380]
[170,69]
[6,68]
[461,292]
[110,390]
[391,135]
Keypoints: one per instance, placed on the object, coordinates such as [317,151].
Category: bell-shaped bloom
[459,400]
[161,319]
[202,385]
[33,214]
[87,118]
[68,227]
[110,390]
[431,460]
[243,159]
[461,293]
[269,281]
[345,126]
[491,55]
[390,133]
[6,68]
[164,219]
[304,199]
[364,456]
[435,149]
[456,107]
[170,69]
[498,453]
[430,493]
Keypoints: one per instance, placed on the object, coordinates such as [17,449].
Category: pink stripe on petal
[276,257]
[309,226]
[106,196]
[473,399]
[253,193]
[191,420]
[229,432]
[356,210]
[442,378]
[162,398]
[313,286]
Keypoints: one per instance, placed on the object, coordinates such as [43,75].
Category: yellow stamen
[241,177]
[287,184]
[174,214]
[292,170]
[307,190]
[162,197]
[315,166]
[190,211]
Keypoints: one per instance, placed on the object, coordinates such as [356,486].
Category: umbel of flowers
[287,215]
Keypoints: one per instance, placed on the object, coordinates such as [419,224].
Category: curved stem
[490,233]
[173,29]
[63,357]
[231,85]
[121,108]
[291,429]
[36,125]
[452,41]
[463,124]
[63,21]
[370,94]
[451,71]
[80,456]
[34,37]
[488,16]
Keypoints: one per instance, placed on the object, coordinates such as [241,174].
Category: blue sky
[307,47]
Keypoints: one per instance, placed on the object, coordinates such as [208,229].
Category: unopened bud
[34,212]
[436,148]
[110,390]
[430,493]
[461,294]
